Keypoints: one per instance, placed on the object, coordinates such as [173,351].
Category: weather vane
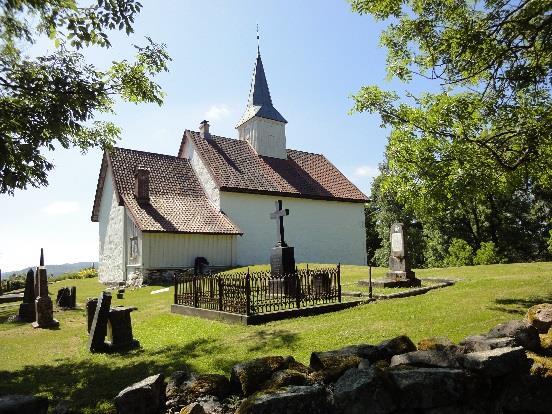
[258,43]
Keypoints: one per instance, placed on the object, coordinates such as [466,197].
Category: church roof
[177,201]
[236,167]
[260,102]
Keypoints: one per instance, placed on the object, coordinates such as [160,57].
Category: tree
[493,62]
[54,98]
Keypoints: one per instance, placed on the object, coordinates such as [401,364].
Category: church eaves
[260,102]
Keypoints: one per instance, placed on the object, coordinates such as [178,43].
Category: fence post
[339,282]
[220,293]
[248,293]
[194,292]
[297,289]
[370,282]
[175,288]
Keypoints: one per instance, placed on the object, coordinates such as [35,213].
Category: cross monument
[279,215]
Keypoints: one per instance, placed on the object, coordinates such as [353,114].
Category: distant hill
[54,269]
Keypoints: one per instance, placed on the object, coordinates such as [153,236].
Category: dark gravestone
[98,330]
[400,273]
[91,304]
[200,265]
[27,311]
[66,297]
[43,304]
[321,284]
[282,257]
[120,329]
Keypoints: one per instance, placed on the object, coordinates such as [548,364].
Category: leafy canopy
[54,98]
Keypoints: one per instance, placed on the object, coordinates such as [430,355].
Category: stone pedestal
[120,329]
[43,304]
[400,279]
[399,274]
[282,263]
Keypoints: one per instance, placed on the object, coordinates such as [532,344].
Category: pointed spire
[260,102]
[41,257]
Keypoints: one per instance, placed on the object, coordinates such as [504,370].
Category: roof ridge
[149,153]
[305,152]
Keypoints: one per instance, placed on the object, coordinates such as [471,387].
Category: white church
[213,199]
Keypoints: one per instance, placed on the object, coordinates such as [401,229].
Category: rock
[423,388]
[23,404]
[399,345]
[175,381]
[194,408]
[540,316]
[144,397]
[546,341]
[361,391]
[525,334]
[248,377]
[288,377]
[439,343]
[440,359]
[65,407]
[197,387]
[478,343]
[497,362]
[364,364]
[527,394]
[288,400]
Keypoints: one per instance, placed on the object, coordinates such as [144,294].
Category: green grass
[56,363]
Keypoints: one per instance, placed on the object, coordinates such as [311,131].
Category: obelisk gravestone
[27,312]
[400,273]
[43,304]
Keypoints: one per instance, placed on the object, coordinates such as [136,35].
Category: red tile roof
[236,167]
[177,201]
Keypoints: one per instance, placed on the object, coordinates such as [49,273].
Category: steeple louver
[260,102]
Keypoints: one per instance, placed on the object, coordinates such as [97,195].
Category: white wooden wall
[170,250]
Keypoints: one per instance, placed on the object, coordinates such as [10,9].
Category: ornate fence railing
[253,293]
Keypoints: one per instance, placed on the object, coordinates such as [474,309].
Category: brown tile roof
[236,167]
[177,201]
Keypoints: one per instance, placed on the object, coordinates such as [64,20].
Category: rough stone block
[23,404]
[288,400]
[144,397]
[439,359]
[497,362]
[248,377]
[525,334]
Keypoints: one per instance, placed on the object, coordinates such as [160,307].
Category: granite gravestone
[91,304]
[66,297]
[400,273]
[98,329]
[282,257]
[43,304]
[120,329]
[27,311]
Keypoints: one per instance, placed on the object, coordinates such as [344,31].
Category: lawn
[56,363]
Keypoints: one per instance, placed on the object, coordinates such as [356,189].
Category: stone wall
[489,373]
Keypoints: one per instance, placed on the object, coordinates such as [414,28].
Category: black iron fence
[253,293]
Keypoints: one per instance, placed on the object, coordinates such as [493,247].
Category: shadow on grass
[268,340]
[92,384]
[519,306]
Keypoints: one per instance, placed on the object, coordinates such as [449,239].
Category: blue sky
[315,53]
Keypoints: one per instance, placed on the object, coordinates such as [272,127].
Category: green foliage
[487,254]
[460,253]
[472,160]
[53,99]
[87,273]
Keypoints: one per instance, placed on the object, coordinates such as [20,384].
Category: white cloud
[366,171]
[217,112]
[60,208]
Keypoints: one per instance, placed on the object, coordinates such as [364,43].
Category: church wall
[171,250]
[267,137]
[320,231]
[111,231]
[203,175]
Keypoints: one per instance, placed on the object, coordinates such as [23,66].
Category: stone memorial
[282,258]
[400,273]
[91,304]
[27,311]
[43,304]
[67,297]
[120,329]
[98,328]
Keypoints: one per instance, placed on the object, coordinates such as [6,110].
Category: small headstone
[400,273]
[98,330]
[43,304]
[27,311]
[201,265]
[91,304]
[282,258]
[120,329]
[66,297]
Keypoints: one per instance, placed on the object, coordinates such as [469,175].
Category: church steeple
[261,124]
[260,102]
